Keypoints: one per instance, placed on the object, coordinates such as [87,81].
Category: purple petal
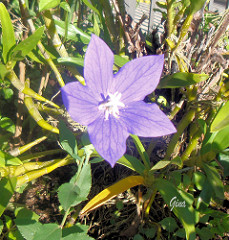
[109,138]
[80,103]
[98,66]
[146,120]
[138,78]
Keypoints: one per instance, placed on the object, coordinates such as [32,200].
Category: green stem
[64,218]
[141,151]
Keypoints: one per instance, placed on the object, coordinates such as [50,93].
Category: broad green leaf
[224,161]
[196,5]
[22,212]
[73,31]
[112,192]
[3,71]
[78,231]
[169,224]
[8,38]
[1,226]
[27,227]
[181,79]
[13,233]
[7,93]
[204,197]
[67,194]
[199,180]
[221,141]
[27,45]
[205,233]
[48,4]
[50,231]
[222,118]
[159,165]
[7,124]
[132,163]
[184,212]
[9,159]
[7,186]
[77,190]
[65,6]
[214,180]
[68,140]
[120,61]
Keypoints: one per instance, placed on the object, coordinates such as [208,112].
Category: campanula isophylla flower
[111,105]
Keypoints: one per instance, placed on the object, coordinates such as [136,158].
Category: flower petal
[80,103]
[146,120]
[138,78]
[109,138]
[98,66]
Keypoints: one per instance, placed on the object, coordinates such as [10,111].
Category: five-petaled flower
[112,106]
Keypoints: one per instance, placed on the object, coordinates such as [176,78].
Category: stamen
[111,105]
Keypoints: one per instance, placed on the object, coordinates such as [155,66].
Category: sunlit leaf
[7,186]
[8,38]
[112,192]
[222,118]
[50,231]
[159,165]
[48,4]
[1,226]
[214,180]
[7,124]
[181,79]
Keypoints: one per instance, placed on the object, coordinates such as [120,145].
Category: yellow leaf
[111,192]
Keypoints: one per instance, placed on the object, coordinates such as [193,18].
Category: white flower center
[111,105]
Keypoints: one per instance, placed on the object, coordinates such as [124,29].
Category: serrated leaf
[27,45]
[27,227]
[181,79]
[67,194]
[222,118]
[78,231]
[50,231]
[68,140]
[8,37]
[7,186]
[48,4]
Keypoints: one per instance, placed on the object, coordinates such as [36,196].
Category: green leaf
[120,61]
[7,124]
[214,180]
[132,163]
[181,79]
[184,212]
[221,141]
[196,5]
[77,231]
[8,38]
[3,71]
[77,190]
[68,140]
[7,93]
[26,46]
[169,224]
[88,3]
[222,118]
[199,180]
[7,186]
[67,194]
[204,197]
[159,165]
[73,31]
[71,60]
[65,6]
[1,226]
[48,4]
[22,212]
[49,231]
[27,227]
[224,161]
[7,159]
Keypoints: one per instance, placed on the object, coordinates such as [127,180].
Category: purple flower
[112,106]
